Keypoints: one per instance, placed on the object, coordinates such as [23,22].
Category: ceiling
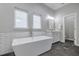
[55,6]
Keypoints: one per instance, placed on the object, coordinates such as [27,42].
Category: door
[70,27]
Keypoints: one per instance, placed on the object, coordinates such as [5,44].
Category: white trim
[63,31]
[75,33]
[27,15]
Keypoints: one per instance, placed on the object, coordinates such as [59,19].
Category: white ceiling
[55,6]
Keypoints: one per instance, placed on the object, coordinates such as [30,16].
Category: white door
[70,27]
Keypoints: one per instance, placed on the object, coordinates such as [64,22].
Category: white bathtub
[31,46]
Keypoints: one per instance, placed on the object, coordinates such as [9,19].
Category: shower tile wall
[5,43]
[38,33]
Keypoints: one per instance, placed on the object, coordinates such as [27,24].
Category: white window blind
[36,22]
[21,19]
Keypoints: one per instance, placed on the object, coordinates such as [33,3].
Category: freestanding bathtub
[31,46]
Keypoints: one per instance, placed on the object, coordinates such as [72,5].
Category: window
[21,19]
[36,22]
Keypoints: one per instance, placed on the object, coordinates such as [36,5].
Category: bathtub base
[33,48]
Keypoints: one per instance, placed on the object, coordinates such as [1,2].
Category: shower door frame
[75,26]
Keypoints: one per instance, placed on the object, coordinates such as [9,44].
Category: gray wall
[7,31]
[71,8]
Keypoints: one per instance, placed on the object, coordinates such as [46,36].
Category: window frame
[40,21]
[16,28]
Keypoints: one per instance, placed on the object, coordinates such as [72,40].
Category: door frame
[75,26]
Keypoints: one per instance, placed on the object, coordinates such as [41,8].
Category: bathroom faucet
[31,34]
